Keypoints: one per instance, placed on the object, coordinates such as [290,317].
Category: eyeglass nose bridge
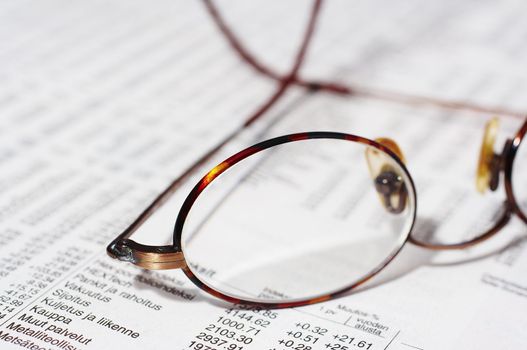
[147,256]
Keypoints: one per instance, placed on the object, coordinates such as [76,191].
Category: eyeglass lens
[296,221]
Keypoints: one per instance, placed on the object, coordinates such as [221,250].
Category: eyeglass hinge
[146,256]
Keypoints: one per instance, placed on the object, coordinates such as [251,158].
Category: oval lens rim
[231,161]
[515,144]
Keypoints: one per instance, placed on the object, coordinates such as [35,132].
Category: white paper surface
[102,104]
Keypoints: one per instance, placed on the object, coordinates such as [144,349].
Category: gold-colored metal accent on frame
[156,261]
[148,257]
[486,155]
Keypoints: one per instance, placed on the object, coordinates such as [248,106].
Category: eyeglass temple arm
[171,257]
[252,60]
[337,87]
[388,183]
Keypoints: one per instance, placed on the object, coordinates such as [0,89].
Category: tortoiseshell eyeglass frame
[510,151]
[171,257]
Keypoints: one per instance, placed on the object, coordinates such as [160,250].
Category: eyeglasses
[239,239]
[248,233]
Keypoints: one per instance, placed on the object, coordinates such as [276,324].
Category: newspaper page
[103,104]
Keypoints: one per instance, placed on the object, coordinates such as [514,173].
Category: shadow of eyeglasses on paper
[413,257]
[409,259]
